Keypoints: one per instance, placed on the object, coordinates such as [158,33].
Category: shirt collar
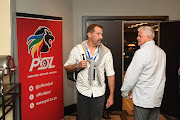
[96,51]
[147,43]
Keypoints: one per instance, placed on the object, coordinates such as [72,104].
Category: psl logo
[40,42]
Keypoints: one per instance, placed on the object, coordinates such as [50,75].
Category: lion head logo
[40,42]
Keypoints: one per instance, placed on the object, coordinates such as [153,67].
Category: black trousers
[90,108]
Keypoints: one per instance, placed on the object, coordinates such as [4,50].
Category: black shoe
[105,116]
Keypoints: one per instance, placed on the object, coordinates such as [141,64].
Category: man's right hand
[82,64]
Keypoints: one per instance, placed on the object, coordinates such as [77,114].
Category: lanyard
[90,55]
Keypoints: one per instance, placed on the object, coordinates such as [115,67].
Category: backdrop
[40,66]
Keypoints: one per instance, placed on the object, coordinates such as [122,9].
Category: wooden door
[170,43]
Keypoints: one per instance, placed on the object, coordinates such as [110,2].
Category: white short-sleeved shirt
[82,83]
[146,75]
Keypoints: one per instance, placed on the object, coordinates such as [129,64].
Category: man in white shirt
[91,80]
[145,77]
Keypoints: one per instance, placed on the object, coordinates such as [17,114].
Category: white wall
[81,8]
[58,8]
[5,31]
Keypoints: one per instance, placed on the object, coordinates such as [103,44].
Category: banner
[40,66]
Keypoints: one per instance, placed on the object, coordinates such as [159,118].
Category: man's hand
[82,64]
[111,84]
[130,95]
[110,101]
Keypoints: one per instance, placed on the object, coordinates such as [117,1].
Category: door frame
[123,31]
[85,19]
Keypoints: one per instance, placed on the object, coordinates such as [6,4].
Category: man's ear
[89,34]
[149,37]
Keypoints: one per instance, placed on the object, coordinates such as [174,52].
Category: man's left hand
[110,101]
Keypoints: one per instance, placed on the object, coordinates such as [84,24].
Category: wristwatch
[76,66]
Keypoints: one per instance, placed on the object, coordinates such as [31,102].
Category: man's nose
[101,36]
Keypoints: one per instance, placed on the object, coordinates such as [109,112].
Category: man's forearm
[70,68]
[111,84]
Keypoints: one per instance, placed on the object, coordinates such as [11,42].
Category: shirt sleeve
[133,72]
[73,57]
[109,64]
